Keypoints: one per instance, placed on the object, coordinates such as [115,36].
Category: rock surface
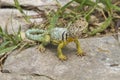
[7,76]
[37,2]
[102,60]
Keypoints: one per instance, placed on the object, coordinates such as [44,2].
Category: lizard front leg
[79,49]
[45,41]
[59,49]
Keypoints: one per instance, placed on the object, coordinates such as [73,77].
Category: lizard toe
[81,53]
[41,48]
[62,57]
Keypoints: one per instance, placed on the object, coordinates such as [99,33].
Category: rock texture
[102,60]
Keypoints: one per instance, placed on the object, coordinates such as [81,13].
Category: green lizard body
[59,36]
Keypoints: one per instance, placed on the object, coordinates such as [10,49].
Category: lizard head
[77,28]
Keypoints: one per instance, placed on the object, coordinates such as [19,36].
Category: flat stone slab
[102,61]
[12,21]
[37,2]
[7,76]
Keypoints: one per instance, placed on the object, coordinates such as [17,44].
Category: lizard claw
[41,48]
[62,57]
[81,53]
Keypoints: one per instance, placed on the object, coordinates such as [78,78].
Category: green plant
[11,41]
[17,5]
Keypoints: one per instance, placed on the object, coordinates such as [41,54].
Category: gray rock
[37,2]
[7,76]
[102,61]
[9,18]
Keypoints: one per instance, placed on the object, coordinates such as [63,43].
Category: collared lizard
[59,36]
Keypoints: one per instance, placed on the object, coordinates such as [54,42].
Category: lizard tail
[35,34]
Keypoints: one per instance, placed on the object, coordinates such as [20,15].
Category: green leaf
[88,2]
[17,5]
[101,28]
[18,36]
[66,5]
[2,46]
[107,3]
[53,21]
[8,49]
[82,4]
[116,7]
[89,12]
[19,30]
[1,29]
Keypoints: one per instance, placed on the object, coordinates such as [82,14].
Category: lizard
[59,36]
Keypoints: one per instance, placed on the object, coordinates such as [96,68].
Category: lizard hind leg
[45,41]
[59,49]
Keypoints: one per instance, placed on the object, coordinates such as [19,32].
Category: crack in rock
[25,74]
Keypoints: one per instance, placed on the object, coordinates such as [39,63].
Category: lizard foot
[62,57]
[41,48]
[81,53]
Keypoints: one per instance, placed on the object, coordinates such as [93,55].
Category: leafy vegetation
[10,41]
[103,10]
[17,5]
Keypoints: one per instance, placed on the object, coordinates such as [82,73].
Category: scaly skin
[44,43]
[61,56]
[60,37]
